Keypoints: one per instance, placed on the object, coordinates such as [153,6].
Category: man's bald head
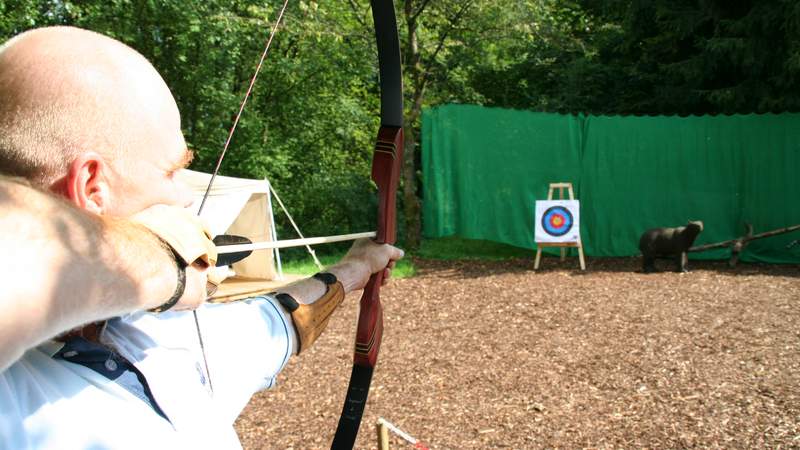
[66,91]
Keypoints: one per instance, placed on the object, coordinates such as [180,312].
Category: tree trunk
[411,203]
[413,66]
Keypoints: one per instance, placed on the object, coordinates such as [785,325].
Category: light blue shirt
[73,397]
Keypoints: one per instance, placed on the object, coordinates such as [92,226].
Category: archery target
[557,221]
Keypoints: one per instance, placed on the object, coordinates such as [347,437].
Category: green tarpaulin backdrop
[484,168]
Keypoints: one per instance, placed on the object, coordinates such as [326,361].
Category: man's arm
[312,301]
[62,267]
[362,260]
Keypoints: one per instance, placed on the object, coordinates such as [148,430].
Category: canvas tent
[242,207]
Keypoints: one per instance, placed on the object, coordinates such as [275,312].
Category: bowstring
[222,156]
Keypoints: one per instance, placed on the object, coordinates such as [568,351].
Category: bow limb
[386,163]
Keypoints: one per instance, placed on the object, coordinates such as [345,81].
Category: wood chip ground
[486,355]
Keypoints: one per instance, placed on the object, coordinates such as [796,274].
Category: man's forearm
[363,259]
[308,290]
[312,301]
[63,268]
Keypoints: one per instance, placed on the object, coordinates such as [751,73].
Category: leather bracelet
[179,289]
[291,304]
[311,319]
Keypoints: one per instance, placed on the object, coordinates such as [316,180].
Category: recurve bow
[386,162]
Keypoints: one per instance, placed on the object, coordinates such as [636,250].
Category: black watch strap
[326,277]
[179,289]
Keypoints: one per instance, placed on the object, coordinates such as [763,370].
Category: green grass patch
[301,263]
[298,261]
[450,248]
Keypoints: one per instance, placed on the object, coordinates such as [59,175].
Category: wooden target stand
[563,245]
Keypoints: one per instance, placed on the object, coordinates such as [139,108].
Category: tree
[441,41]
[653,57]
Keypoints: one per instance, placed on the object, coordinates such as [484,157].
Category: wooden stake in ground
[383,427]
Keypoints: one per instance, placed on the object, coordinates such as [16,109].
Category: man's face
[145,176]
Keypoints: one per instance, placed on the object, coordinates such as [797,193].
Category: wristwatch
[179,289]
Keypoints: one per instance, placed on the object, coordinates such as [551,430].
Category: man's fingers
[397,254]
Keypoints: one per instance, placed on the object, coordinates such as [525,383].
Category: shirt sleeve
[247,344]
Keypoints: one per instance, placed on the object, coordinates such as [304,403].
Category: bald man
[89,118]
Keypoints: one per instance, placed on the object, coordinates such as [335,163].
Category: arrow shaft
[223,249]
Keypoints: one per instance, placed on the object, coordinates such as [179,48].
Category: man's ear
[87,183]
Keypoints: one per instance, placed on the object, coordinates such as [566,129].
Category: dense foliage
[310,125]
[653,57]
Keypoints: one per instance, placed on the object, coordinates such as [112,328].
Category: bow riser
[386,162]
[386,175]
[370,324]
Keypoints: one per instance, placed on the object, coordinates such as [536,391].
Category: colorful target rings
[557,221]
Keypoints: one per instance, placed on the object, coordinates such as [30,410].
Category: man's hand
[190,240]
[363,259]
[71,267]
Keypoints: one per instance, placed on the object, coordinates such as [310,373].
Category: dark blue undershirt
[107,363]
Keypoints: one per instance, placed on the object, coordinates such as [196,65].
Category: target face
[557,221]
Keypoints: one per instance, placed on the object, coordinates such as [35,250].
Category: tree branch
[359,14]
[442,38]
[415,14]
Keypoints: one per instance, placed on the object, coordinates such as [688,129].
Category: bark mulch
[481,355]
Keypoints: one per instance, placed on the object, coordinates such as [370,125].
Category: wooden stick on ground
[738,244]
